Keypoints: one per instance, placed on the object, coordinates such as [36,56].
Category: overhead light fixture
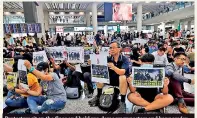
[61,13]
[81,13]
[51,13]
[71,13]
[90,13]
[99,13]
[158,1]
[19,13]
[6,13]
[147,1]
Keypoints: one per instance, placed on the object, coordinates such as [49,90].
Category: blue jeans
[16,101]
[34,101]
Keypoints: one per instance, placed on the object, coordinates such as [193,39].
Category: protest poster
[16,28]
[75,54]
[12,79]
[31,28]
[23,28]
[148,77]
[87,52]
[39,57]
[9,61]
[8,28]
[57,53]
[90,39]
[22,74]
[104,50]
[99,68]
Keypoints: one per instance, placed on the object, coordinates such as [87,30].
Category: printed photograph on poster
[57,53]
[9,61]
[99,68]
[22,74]
[23,28]
[39,57]
[9,28]
[105,50]
[16,28]
[31,28]
[148,77]
[12,79]
[87,52]
[38,28]
[126,51]
[75,54]
[90,39]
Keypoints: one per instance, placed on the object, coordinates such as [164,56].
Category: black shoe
[94,101]
[142,110]
[122,107]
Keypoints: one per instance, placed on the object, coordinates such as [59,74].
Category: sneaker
[94,101]
[90,95]
[122,107]
[183,108]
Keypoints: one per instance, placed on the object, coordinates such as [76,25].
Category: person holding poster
[149,98]
[118,72]
[17,96]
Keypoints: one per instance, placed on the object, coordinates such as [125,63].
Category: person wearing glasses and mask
[118,72]
[175,72]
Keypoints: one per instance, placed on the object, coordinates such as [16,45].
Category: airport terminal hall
[98,57]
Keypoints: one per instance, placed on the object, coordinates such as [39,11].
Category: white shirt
[68,38]
[160,59]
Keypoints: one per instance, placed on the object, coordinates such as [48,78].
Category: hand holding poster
[9,61]
[75,54]
[99,68]
[57,53]
[39,57]
[22,74]
[148,77]
[11,79]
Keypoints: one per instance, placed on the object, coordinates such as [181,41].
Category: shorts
[148,94]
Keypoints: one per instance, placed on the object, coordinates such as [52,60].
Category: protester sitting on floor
[118,72]
[160,56]
[175,72]
[149,98]
[16,97]
[55,98]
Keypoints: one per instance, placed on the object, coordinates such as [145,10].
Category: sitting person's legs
[34,101]
[87,79]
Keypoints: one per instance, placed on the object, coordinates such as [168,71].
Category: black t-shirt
[85,68]
[97,37]
[180,49]
[64,69]
[136,58]
[148,93]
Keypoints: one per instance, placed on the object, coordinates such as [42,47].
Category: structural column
[139,17]
[40,19]
[163,29]
[88,19]
[46,20]
[155,27]
[105,30]
[189,25]
[94,18]
[30,12]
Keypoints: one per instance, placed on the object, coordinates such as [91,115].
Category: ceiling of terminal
[79,6]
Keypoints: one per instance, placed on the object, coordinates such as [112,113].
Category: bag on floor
[109,101]
[73,88]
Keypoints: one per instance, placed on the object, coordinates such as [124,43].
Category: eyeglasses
[113,47]
[182,59]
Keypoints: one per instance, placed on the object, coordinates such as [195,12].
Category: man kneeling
[149,98]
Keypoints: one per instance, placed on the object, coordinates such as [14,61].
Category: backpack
[73,87]
[109,101]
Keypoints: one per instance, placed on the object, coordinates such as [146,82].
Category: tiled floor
[81,105]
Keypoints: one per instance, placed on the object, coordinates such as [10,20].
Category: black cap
[42,66]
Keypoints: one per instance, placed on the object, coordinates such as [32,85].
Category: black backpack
[109,101]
